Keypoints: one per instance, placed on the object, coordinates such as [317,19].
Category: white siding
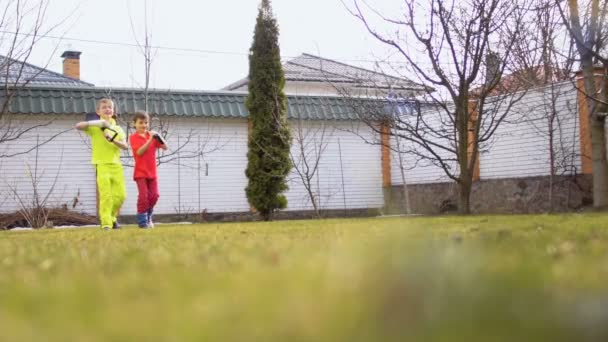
[347,159]
[520,147]
[303,88]
[322,88]
[217,186]
[417,170]
[65,158]
[220,178]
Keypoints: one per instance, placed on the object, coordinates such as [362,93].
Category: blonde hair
[107,100]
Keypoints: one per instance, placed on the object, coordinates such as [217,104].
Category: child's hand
[105,124]
[153,133]
[108,135]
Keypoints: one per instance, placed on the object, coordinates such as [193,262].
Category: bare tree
[448,46]
[146,50]
[311,143]
[34,207]
[589,30]
[22,24]
[545,61]
[190,145]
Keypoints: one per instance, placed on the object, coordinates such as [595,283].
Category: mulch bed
[57,217]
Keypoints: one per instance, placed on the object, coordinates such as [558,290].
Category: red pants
[148,194]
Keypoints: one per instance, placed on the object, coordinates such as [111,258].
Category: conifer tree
[270,137]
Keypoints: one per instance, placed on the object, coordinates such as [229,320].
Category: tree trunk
[598,138]
[465,178]
[551,161]
[313,200]
[464,204]
[404,189]
[585,44]
[464,182]
[600,168]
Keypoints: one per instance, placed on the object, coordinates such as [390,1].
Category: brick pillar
[71,64]
[583,116]
[473,117]
[385,139]
[391,205]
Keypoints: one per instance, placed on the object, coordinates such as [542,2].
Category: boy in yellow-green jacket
[107,139]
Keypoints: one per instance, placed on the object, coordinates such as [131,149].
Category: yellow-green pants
[112,192]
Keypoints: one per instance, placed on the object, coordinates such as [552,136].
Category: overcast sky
[222,28]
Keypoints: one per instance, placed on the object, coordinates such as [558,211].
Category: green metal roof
[54,100]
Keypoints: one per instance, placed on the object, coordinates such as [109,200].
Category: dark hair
[141,115]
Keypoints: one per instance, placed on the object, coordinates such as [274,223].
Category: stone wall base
[497,196]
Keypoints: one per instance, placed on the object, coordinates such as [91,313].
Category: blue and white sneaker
[142,220]
[150,222]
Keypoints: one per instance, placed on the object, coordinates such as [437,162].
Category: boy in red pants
[144,144]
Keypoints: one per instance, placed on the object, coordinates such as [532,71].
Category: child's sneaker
[115,225]
[150,223]
[142,220]
[106,228]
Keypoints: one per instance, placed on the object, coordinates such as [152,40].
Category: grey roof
[22,73]
[310,68]
[70,100]
[49,93]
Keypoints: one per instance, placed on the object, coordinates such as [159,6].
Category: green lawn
[480,278]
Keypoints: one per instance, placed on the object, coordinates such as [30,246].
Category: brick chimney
[71,64]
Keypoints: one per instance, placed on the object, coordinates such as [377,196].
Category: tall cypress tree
[270,137]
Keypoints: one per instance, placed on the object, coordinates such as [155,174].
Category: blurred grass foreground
[480,278]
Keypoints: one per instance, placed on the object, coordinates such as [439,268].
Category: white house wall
[349,174]
[520,145]
[419,171]
[65,159]
[220,177]
[217,186]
